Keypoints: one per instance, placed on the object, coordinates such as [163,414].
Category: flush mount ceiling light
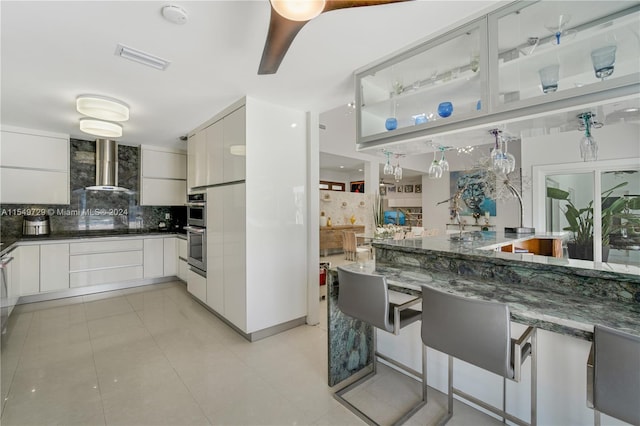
[100,128]
[141,57]
[102,107]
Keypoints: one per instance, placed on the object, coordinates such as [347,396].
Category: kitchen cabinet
[163,177]
[54,267]
[215,158]
[234,149]
[153,257]
[34,167]
[216,197]
[102,262]
[170,256]
[489,70]
[197,285]
[224,141]
[26,271]
[256,255]
[196,160]
[183,266]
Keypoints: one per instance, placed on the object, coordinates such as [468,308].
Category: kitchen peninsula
[563,298]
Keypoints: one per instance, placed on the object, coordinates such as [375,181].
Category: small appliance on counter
[36,225]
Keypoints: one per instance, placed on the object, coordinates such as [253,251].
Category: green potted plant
[581,220]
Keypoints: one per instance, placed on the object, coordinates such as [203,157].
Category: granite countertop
[486,245]
[8,243]
[569,314]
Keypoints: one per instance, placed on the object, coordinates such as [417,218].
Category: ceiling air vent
[141,57]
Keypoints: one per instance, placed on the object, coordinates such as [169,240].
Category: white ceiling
[53,51]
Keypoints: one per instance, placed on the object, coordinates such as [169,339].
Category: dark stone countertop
[564,313]
[9,243]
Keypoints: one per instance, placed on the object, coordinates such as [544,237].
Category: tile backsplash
[89,210]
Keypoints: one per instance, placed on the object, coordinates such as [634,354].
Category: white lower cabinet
[170,262]
[234,256]
[26,271]
[183,266]
[197,285]
[103,262]
[215,250]
[54,267]
[153,257]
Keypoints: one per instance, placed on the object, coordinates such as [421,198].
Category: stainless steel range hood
[106,167]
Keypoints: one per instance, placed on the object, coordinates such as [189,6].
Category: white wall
[617,141]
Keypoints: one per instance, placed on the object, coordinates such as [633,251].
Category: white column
[371,177]
[313,222]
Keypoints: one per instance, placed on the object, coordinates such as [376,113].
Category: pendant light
[388,168]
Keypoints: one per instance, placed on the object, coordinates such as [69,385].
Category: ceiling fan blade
[343,4]
[281,33]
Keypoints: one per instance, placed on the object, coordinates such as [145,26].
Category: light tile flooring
[154,356]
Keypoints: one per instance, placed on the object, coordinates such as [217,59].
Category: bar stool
[365,297]
[477,332]
[613,375]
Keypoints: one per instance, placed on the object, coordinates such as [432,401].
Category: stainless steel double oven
[197,233]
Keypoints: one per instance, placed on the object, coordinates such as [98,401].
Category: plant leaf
[557,194]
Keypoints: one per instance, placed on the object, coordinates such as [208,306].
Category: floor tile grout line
[95,367]
[171,364]
[13,375]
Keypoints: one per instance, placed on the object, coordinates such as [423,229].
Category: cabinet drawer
[197,285]
[182,248]
[105,246]
[104,276]
[86,262]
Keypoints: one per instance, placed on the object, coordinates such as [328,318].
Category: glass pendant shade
[388,168]
[397,173]
[298,10]
[588,148]
[435,169]
[443,163]
[102,107]
[100,128]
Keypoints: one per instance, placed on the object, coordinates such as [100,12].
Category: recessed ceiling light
[631,109]
[342,167]
[105,129]
[359,170]
[102,107]
[141,57]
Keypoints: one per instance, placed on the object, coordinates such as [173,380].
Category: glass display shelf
[548,46]
[434,83]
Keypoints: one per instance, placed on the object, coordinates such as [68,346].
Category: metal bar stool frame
[379,288]
[517,350]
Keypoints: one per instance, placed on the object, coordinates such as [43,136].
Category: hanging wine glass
[497,156]
[588,145]
[397,172]
[388,168]
[435,170]
[509,161]
[443,163]
[558,27]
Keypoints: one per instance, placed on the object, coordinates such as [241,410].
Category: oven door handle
[196,204]
[194,230]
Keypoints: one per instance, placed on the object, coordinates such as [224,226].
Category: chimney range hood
[106,167]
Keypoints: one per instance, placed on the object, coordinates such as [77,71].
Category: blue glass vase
[420,119]
[445,109]
[391,123]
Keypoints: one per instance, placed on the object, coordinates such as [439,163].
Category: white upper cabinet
[34,167]
[197,160]
[217,150]
[235,140]
[214,135]
[163,177]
